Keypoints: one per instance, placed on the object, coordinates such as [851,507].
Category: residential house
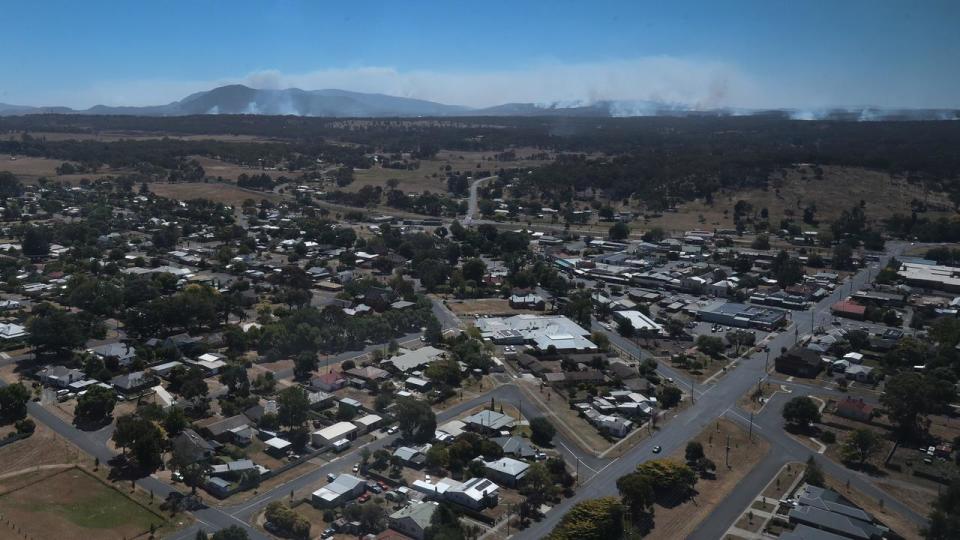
[130,383]
[411,457]
[488,422]
[506,471]
[328,382]
[123,353]
[60,376]
[10,331]
[414,519]
[191,446]
[368,375]
[235,429]
[515,446]
[413,360]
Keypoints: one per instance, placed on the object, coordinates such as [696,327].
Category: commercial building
[931,276]
[344,488]
[329,434]
[638,320]
[742,315]
[539,331]
[800,362]
[849,309]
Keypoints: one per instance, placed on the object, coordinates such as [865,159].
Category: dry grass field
[214,191]
[681,520]
[840,188]
[73,504]
[431,174]
[109,136]
[42,448]
[29,169]
[230,171]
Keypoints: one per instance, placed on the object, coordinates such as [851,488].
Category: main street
[598,476]
[719,399]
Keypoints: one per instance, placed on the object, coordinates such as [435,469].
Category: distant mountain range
[239,99]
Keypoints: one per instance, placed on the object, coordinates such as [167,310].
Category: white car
[392,430]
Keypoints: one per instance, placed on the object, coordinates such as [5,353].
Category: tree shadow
[672,500]
[91,425]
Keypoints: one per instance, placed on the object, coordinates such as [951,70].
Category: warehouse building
[743,315]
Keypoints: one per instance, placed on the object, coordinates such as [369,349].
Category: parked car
[363,498]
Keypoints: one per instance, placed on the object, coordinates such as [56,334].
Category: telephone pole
[727,456]
[751,426]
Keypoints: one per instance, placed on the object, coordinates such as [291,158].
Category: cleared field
[29,169]
[431,176]
[682,519]
[485,306]
[214,191]
[73,504]
[231,171]
[44,447]
[838,190]
[108,136]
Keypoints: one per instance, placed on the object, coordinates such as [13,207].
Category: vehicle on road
[356,468]
[657,449]
[392,430]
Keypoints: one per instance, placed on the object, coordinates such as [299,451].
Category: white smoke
[635,86]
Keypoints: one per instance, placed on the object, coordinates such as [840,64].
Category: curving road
[472,201]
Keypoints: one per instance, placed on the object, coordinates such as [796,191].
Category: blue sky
[770,53]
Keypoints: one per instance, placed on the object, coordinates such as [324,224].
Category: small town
[313,271]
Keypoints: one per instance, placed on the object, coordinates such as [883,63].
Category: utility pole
[751,426]
[693,394]
[766,363]
[727,457]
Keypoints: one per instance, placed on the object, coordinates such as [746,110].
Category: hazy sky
[764,53]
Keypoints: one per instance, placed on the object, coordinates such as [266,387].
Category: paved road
[472,201]
[599,477]
[245,512]
[716,400]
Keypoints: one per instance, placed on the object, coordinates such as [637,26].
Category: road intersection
[598,475]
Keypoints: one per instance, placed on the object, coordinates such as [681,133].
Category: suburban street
[597,475]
